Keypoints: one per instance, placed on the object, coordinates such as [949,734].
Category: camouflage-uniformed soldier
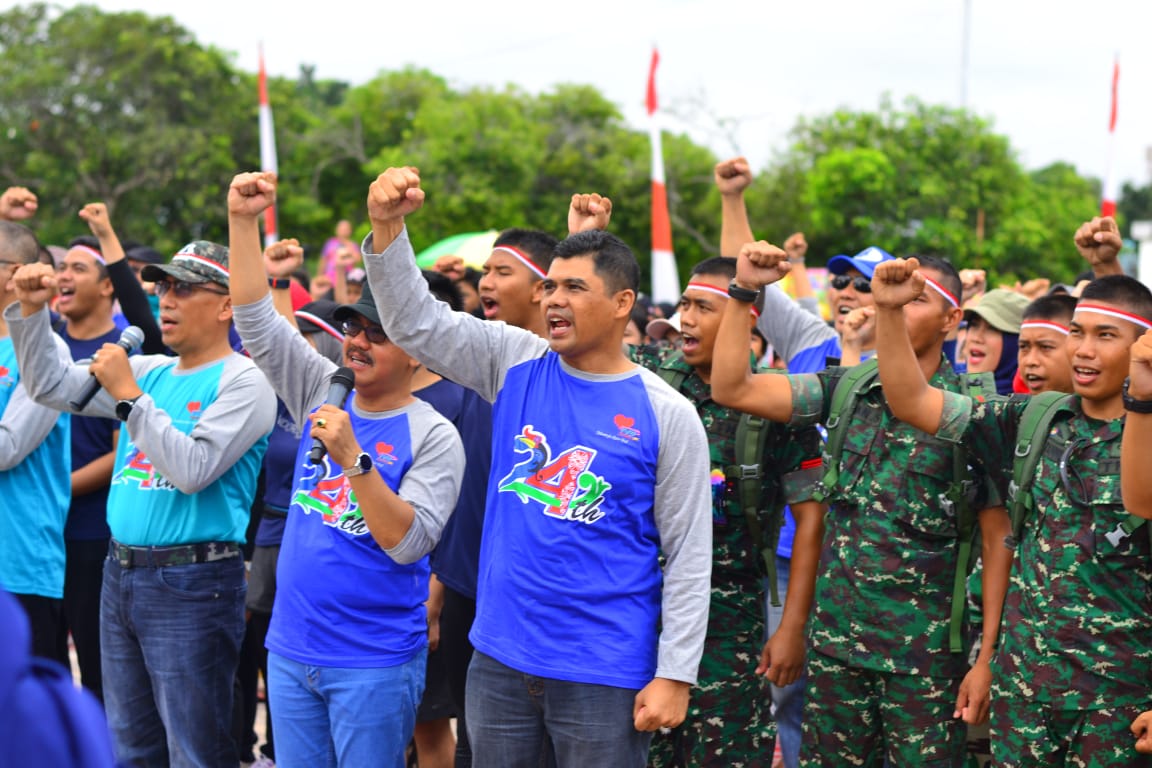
[728,722]
[883,685]
[1073,666]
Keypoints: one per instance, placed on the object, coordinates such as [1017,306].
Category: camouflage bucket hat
[198,262]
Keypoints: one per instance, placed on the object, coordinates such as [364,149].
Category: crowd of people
[589,534]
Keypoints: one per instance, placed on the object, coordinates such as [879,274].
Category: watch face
[364,461]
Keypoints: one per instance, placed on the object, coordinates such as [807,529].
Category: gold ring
[321,423]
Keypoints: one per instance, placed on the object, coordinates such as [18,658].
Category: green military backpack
[854,383]
[747,472]
[1032,438]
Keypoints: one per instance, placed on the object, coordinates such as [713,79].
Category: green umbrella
[473,247]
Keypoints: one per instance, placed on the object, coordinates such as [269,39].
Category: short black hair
[18,243]
[1128,292]
[949,277]
[1055,306]
[613,259]
[537,244]
[725,266]
[444,289]
[717,265]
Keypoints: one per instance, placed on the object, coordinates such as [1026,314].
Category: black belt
[181,554]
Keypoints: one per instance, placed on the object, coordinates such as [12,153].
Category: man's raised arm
[1136,445]
[733,383]
[472,352]
[894,284]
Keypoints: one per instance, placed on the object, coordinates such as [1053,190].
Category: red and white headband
[91,252]
[718,292]
[1110,312]
[948,297]
[523,258]
[1044,325]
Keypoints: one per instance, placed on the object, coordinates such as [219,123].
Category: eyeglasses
[182,289]
[374,333]
[861,284]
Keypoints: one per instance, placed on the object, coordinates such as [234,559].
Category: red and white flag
[665,280]
[1111,187]
[267,150]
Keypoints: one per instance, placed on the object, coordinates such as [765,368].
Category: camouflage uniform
[728,722]
[882,681]
[1075,661]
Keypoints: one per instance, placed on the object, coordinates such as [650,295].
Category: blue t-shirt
[279,468]
[572,493]
[341,601]
[91,439]
[35,496]
[145,508]
[456,559]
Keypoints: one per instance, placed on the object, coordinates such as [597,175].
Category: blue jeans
[523,721]
[169,643]
[329,716]
[787,702]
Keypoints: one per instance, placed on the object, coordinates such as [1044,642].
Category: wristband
[746,295]
[1132,405]
[279,283]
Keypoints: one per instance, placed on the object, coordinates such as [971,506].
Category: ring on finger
[321,423]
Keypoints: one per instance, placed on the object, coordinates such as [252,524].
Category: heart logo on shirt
[623,422]
[194,406]
[383,449]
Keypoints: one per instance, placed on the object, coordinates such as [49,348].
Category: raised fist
[733,176]
[896,283]
[760,264]
[250,194]
[588,212]
[395,194]
[283,257]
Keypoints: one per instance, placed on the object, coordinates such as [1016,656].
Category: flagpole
[267,149]
[1111,187]
[665,280]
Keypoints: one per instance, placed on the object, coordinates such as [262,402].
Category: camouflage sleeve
[809,400]
[800,465]
[955,416]
[991,439]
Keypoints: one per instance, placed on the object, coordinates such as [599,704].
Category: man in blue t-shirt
[34,468]
[584,644]
[193,435]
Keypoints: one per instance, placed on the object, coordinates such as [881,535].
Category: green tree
[124,108]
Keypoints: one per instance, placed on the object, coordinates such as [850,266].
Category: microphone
[130,341]
[338,389]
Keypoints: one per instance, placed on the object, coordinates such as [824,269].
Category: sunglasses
[375,333]
[183,290]
[861,284]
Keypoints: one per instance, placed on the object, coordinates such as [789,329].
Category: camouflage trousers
[868,719]
[728,723]
[1029,733]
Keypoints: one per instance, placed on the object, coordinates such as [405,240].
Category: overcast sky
[1041,71]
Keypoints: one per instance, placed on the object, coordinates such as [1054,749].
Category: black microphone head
[345,376]
[131,338]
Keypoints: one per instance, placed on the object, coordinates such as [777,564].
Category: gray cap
[198,262]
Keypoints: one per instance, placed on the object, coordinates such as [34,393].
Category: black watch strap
[742,294]
[124,408]
[1133,405]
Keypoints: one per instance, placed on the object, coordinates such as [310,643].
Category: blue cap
[865,261]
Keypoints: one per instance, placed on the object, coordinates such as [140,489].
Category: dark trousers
[43,619]
[83,577]
[456,619]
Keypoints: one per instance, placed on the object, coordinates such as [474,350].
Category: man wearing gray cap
[195,429]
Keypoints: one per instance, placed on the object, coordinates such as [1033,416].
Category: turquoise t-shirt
[36,494]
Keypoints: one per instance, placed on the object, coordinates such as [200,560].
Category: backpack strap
[748,474]
[851,385]
[959,499]
[1031,436]
[671,373]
